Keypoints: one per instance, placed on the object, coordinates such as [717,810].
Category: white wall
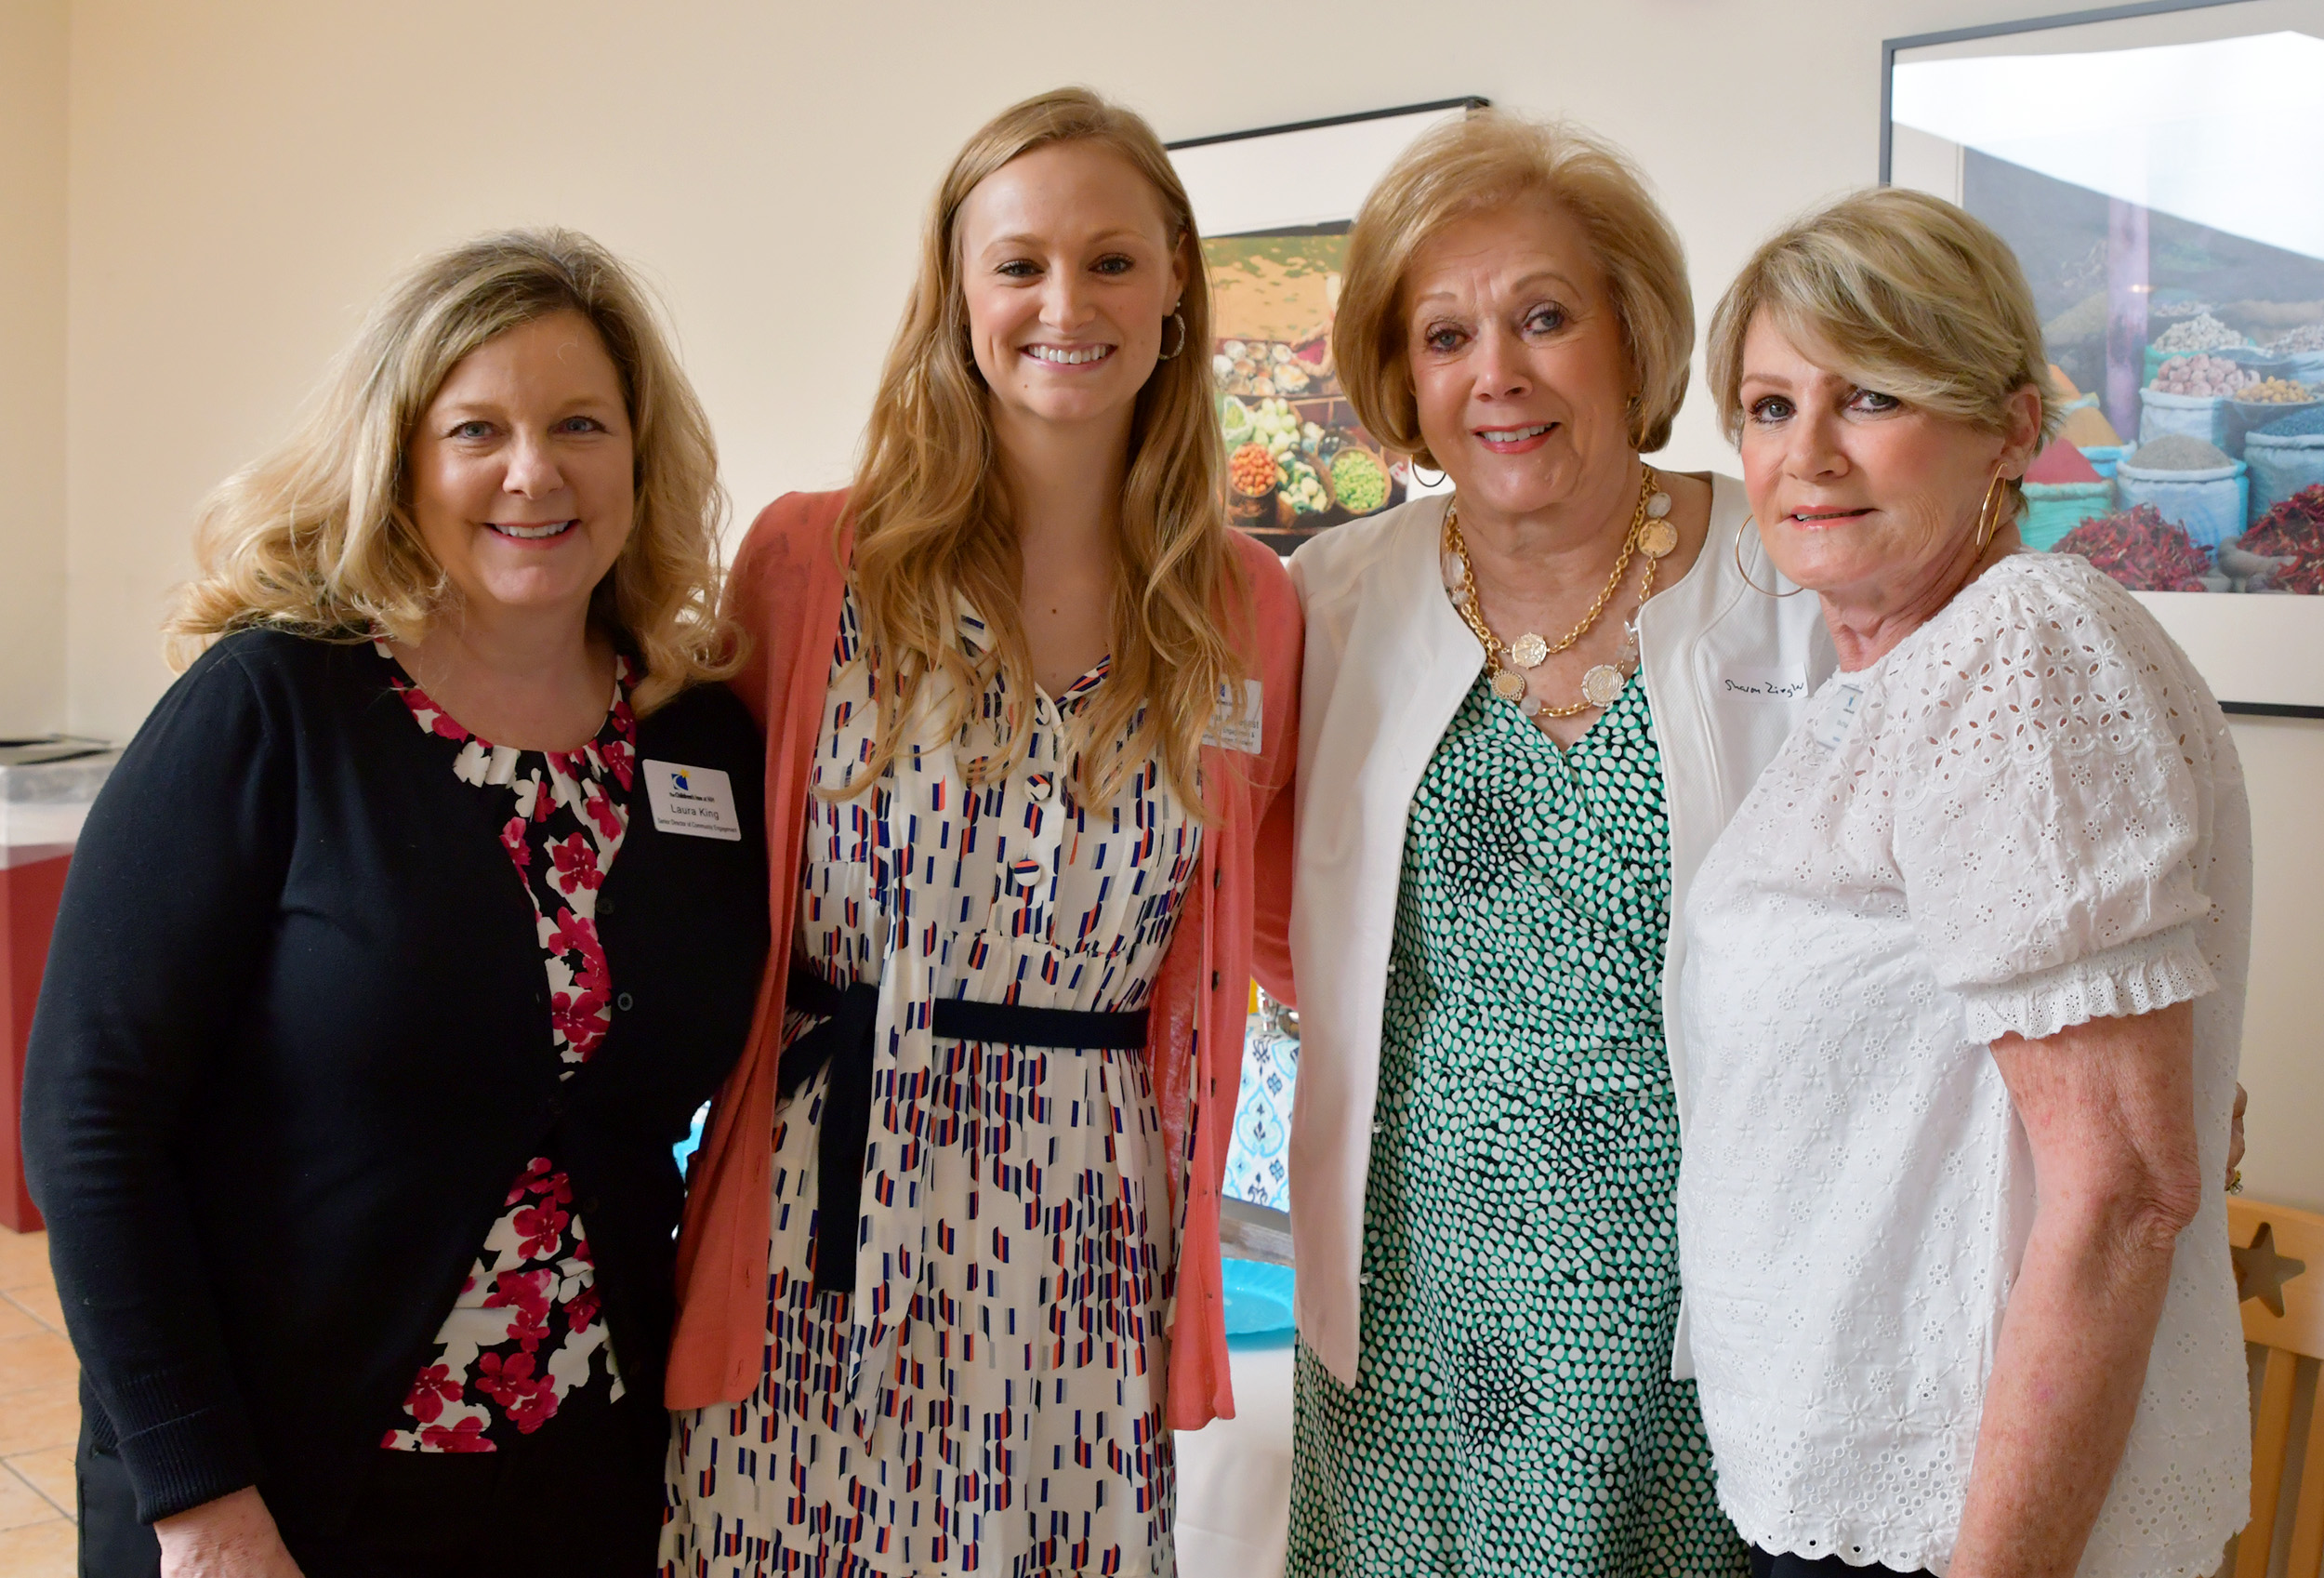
[33,44]
[245,176]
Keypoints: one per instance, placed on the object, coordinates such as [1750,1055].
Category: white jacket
[1727,671]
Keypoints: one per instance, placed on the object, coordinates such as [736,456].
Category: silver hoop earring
[1749,525]
[1179,320]
[1436,481]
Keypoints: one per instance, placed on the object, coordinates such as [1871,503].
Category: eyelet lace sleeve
[2050,794]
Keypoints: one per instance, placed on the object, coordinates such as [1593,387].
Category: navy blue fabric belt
[846,1040]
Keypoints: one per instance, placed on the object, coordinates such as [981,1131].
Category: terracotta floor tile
[50,1472]
[23,1260]
[43,1416]
[35,1360]
[40,1550]
[39,1302]
[20,1504]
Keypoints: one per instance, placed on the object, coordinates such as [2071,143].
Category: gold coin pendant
[1602,685]
[1656,538]
[1528,650]
[1509,684]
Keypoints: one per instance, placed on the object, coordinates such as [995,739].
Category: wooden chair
[2279,1271]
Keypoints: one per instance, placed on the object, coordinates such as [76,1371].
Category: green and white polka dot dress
[1514,1411]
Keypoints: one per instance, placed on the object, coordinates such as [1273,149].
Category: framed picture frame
[1274,206]
[2158,168]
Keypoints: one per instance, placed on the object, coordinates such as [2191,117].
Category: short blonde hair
[1483,161]
[315,537]
[1908,294]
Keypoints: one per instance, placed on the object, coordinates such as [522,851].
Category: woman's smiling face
[1520,376]
[522,470]
[1861,496]
[1070,271]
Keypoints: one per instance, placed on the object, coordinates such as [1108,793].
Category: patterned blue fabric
[1258,1164]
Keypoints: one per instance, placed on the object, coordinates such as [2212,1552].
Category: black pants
[1789,1566]
[581,1500]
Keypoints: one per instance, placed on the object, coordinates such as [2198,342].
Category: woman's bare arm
[2109,1108]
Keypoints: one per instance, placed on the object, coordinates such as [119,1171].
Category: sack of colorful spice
[2140,549]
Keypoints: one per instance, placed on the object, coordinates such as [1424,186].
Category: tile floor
[40,1416]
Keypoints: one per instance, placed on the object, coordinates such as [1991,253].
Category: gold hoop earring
[1180,321]
[1749,524]
[1988,529]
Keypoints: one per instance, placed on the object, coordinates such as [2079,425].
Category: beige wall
[32,53]
[246,174]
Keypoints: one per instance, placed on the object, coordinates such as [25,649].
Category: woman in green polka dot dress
[1527,710]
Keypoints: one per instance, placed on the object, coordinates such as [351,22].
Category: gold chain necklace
[1650,534]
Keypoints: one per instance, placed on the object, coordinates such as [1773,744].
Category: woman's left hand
[2235,1140]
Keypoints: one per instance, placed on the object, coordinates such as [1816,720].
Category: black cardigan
[294,1043]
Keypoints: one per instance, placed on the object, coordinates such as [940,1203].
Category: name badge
[1764,684]
[1233,727]
[698,802]
[1837,716]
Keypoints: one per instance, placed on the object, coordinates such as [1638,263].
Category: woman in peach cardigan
[949,1277]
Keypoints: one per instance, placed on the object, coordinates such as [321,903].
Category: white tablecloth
[1234,1476]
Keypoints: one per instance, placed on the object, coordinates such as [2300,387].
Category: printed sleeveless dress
[1514,1411]
[987,1401]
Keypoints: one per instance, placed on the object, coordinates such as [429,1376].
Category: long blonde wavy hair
[931,517]
[315,537]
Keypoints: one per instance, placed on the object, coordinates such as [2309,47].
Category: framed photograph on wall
[2160,170]
[1274,206]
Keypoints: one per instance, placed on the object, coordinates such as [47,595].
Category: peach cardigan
[784,591]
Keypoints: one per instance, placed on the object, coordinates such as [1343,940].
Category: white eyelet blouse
[2026,815]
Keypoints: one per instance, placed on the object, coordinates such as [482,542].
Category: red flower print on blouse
[603,811]
[467,1436]
[539,1229]
[620,759]
[430,1391]
[540,1177]
[531,1295]
[509,1382]
[572,934]
[580,1018]
[575,861]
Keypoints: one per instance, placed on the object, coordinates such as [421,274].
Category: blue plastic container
[1259,1299]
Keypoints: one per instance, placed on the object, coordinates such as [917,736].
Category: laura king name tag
[698,802]
[1233,728]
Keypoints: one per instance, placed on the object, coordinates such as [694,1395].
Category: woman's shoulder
[2043,653]
[2054,604]
[268,666]
[1336,561]
[797,516]
[711,720]
[793,534]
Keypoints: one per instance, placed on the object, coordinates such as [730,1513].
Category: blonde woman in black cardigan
[412,928]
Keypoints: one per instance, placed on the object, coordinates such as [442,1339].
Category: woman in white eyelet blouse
[1984,925]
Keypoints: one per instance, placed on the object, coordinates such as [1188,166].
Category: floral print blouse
[525,1336]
